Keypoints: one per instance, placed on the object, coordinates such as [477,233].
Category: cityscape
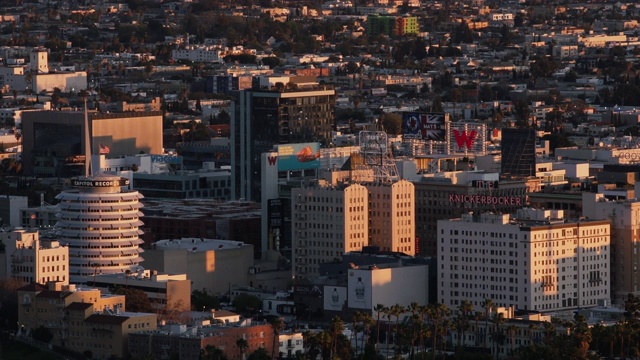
[320,179]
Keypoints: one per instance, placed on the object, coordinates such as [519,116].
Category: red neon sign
[465,140]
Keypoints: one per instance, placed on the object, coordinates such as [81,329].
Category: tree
[522,112]
[42,334]
[379,309]
[212,353]
[201,299]
[488,306]
[260,354]
[245,303]
[242,344]
[278,325]
[391,123]
[136,300]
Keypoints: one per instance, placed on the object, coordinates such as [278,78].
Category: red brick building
[188,344]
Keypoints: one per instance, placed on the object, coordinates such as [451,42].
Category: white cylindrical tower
[99,221]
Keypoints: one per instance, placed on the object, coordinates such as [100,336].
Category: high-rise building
[391,219]
[535,260]
[32,259]
[327,222]
[518,150]
[275,114]
[407,25]
[99,220]
[625,240]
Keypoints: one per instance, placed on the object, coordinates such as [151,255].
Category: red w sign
[272,160]
[465,140]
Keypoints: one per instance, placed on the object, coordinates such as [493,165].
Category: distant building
[30,258]
[381,25]
[518,150]
[535,260]
[300,111]
[224,84]
[54,145]
[10,209]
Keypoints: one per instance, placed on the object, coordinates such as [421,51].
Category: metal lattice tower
[375,152]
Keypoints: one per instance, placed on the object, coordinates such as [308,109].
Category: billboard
[298,156]
[359,289]
[426,126]
[334,297]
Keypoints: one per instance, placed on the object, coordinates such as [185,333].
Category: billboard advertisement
[359,289]
[426,126]
[334,297]
[298,156]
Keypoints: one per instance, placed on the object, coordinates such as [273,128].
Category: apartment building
[534,260]
[32,259]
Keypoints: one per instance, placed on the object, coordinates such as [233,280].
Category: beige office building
[535,260]
[392,219]
[32,259]
[625,240]
[327,221]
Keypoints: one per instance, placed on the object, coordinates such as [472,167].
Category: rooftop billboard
[298,156]
[426,126]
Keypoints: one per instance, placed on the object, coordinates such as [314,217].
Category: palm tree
[336,327]
[357,325]
[243,345]
[414,308]
[462,323]
[532,329]
[95,272]
[488,305]
[511,329]
[439,314]
[397,311]
[498,336]
[378,309]
[277,324]
[477,316]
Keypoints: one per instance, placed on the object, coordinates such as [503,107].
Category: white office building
[535,260]
[99,220]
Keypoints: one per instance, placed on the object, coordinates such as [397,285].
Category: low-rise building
[189,343]
[165,291]
[80,319]
[30,258]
